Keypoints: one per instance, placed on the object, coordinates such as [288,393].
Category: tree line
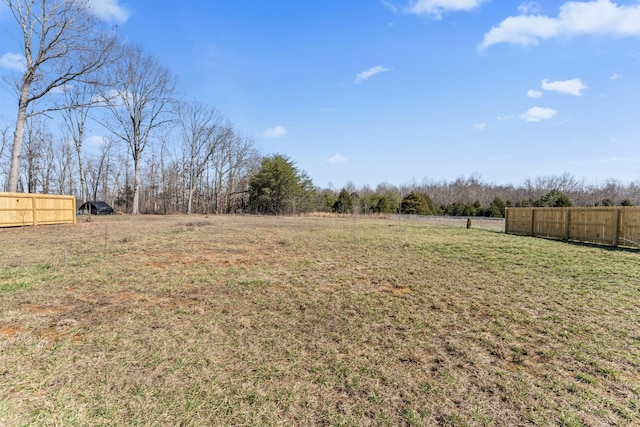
[165,154]
[470,196]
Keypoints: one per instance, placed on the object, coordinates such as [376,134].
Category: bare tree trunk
[18,135]
[135,209]
[190,202]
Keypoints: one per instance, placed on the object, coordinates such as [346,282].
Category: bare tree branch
[62,43]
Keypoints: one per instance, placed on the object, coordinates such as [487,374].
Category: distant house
[96,208]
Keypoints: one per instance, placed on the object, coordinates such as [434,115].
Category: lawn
[192,321]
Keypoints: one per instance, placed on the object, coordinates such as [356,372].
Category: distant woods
[473,197]
[74,80]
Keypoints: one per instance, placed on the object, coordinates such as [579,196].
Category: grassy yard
[313,321]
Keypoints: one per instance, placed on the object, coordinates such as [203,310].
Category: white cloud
[570,87]
[370,73]
[505,117]
[274,132]
[112,98]
[95,141]
[613,160]
[101,100]
[530,8]
[597,17]
[59,90]
[392,6]
[615,76]
[435,8]
[336,158]
[534,93]
[480,126]
[13,61]
[109,10]
[538,114]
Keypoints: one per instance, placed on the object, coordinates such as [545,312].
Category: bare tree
[243,156]
[4,139]
[169,176]
[227,144]
[120,181]
[4,143]
[77,101]
[62,43]
[139,100]
[97,170]
[222,162]
[202,132]
[171,189]
[64,170]
[153,178]
[105,161]
[37,151]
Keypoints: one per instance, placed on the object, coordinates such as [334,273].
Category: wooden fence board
[594,226]
[550,223]
[629,227]
[612,226]
[21,209]
[519,221]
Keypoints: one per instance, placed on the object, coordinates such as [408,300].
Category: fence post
[506,220]
[533,221]
[34,210]
[616,235]
[567,225]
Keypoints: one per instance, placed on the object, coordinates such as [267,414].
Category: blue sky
[395,91]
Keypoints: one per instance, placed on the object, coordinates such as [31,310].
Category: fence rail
[21,209]
[612,226]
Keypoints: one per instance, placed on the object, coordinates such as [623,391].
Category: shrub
[417,204]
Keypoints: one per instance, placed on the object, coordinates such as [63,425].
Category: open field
[495,224]
[313,321]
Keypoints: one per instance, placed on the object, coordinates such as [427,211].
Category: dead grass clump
[195,224]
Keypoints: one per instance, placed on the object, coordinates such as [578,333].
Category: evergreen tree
[553,199]
[417,204]
[497,207]
[344,202]
[329,201]
[279,187]
[388,203]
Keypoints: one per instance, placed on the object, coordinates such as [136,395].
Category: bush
[417,204]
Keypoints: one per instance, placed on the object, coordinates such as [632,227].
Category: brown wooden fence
[613,226]
[20,209]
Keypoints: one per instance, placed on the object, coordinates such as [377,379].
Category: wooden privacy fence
[20,209]
[613,226]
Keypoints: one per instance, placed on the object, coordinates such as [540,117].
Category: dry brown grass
[313,321]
